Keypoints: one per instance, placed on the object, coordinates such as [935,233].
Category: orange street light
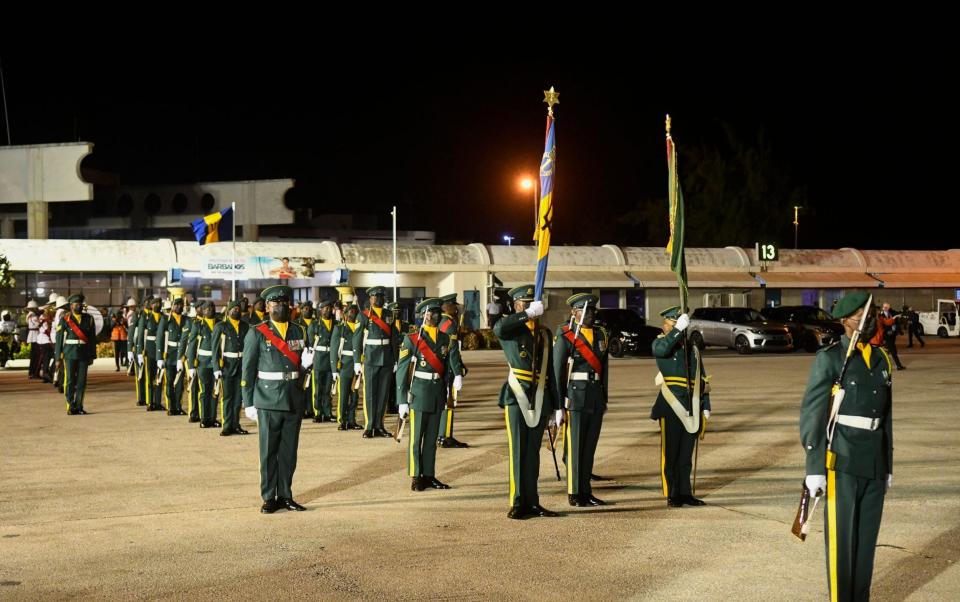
[529,183]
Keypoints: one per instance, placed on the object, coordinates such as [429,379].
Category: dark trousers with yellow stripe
[422,453]
[580,439]
[207,402]
[139,373]
[193,401]
[74,382]
[172,392]
[322,381]
[523,444]
[376,392]
[676,456]
[230,403]
[447,422]
[154,392]
[852,520]
[347,398]
[279,434]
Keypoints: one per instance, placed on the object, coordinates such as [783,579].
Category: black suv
[811,327]
[629,332]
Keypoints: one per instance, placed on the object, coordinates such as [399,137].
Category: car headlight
[754,330]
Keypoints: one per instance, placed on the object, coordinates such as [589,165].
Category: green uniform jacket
[259,355]
[203,335]
[668,351]
[448,326]
[585,395]
[341,332]
[867,392]
[168,331]
[517,343]
[253,319]
[375,355]
[427,395]
[232,341]
[148,325]
[318,335]
[74,351]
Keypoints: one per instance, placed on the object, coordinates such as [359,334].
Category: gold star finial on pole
[551,97]
[668,124]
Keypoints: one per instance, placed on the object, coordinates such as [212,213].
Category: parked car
[942,322]
[811,327]
[739,328]
[629,332]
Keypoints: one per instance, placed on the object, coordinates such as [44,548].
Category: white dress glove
[357,368]
[682,322]
[336,376]
[535,310]
[179,366]
[250,413]
[404,410]
[394,367]
[889,482]
[816,482]
[558,417]
[129,356]
[140,359]
[191,372]
[706,414]
[457,383]
[217,374]
[306,360]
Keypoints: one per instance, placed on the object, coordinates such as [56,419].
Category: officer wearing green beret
[529,398]
[580,361]
[200,363]
[450,324]
[228,337]
[173,333]
[682,407]
[319,333]
[342,358]
[136,350]
[75,350]
[422,392]
[374,339]
[275,357]
[854,466]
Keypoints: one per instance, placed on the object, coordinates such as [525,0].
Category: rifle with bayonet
[801,523]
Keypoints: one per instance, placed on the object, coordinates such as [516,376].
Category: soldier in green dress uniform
[75,350]
[228,337]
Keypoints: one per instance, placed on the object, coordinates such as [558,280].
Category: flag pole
[233,266]
[394,214]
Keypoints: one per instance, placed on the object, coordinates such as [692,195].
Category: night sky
[447,140]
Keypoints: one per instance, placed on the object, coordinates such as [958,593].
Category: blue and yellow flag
[216,227]
[675,246]
[545,220]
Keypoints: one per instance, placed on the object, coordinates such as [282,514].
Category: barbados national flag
[216,227]
[545,221]
[675,246]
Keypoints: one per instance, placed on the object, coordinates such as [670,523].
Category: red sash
[584,350]
[446,326]
[376,320]
[76,329]
[427,354]
[280,344]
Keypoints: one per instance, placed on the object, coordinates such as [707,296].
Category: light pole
[508,239]
[532,184]
[796,225]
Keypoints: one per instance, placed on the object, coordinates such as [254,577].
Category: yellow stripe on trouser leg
[66,383]
[366,417]
[223,415]
[144,373]
[663,459]
[313,395]
[571,458]
[199,395]
[513,482]
[166,400]
[339,400]
[448,431]
[413,437]
[832,530]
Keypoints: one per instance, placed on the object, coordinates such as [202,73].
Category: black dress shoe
[450,442]
[592,501]
[901,367]
[539,510]
[240,431]
[194,419]
[519,513]
[204,425]
[270,506]
[82,411]
[318,419]
[675,502]
[342,427]
[226,433]
[141,403]
[353,426]
[289,504]
[574,500]
[368,434]
[433,483]
[689,500]
[417,484]
[152,408]
[329,419]
[594,477]
[382,433]
[72,412]
[217,424]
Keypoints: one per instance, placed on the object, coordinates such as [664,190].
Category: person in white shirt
[493,313]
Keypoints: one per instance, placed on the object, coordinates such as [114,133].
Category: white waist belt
[348,352]
[278,375]
[584,376]
[233,354]
[173,343]
[377,342]
[859,422]
[204,352]
[426,375]
[321,348]
[74,342]
[151,338]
